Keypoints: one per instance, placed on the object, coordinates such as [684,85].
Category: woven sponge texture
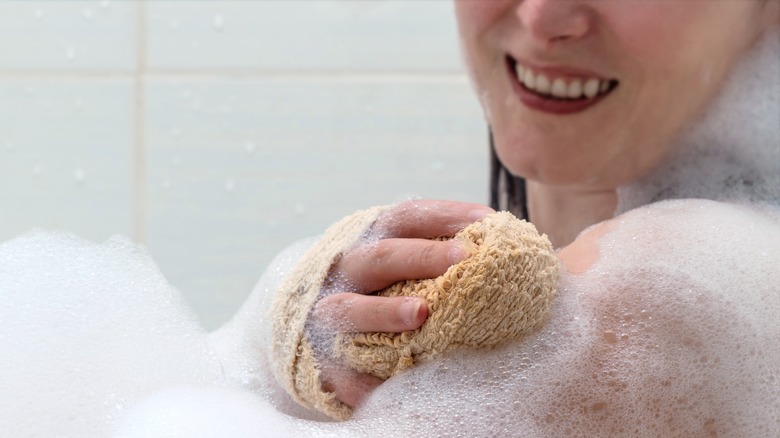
[501,293]
[293,359]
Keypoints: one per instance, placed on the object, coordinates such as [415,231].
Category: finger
[376,265]
[427,219]
[350,387]
[349,312]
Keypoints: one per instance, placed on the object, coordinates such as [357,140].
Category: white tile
[66,157]
[303,35]
[68,35]
[240,169]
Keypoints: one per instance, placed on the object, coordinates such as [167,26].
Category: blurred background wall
[215,133]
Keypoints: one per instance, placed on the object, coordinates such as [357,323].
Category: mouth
[555,91]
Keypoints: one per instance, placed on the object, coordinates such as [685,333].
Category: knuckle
[427,255]
[378,252]
[377,257]
[374,314]
[365,316]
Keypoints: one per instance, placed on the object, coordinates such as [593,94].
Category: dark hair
[507,191]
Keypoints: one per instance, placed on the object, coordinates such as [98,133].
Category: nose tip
[554,21]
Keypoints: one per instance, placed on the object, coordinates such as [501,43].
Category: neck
[564,212]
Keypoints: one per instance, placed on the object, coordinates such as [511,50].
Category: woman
[583,98]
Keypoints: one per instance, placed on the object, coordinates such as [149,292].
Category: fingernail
[479,213]
[457,254]
[408,311]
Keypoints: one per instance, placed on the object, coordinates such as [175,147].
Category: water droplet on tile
[70,53]
[250,148]
[38,13]
[219,22]
[230,184]
[36,169]
[79,175]
[166,184]
[88,14]
[437,166]
[300,208]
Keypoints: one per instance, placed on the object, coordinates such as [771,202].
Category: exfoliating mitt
[500,293]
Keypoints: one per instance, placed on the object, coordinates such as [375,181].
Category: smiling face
[593,92]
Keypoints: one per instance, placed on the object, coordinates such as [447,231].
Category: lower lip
[549,104]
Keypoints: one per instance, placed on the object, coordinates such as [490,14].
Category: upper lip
[558,71]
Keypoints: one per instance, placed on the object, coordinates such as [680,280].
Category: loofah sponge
[500,293]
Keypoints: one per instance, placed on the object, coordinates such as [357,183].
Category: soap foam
[85,331]
[672,332]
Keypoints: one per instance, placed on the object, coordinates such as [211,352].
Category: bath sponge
[500,293]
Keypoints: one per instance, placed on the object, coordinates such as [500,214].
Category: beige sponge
[500,293]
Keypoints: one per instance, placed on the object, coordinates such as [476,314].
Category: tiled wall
[217,132]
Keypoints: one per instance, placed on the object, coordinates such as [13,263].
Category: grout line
[203,74]
[22,74]
[139,143]
[297,76]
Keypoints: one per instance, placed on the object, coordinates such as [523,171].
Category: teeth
[591,88]
[558,87]
[542,84]
[574,91]
[528,80]
[520,72]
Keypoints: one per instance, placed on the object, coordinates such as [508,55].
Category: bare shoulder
[682,303]
[689,235]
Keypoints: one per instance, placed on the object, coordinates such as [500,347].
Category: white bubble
[219,22]
[230,184]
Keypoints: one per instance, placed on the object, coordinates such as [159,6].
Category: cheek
[630,25]
[473,15]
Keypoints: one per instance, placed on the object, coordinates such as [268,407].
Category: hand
[398,247]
